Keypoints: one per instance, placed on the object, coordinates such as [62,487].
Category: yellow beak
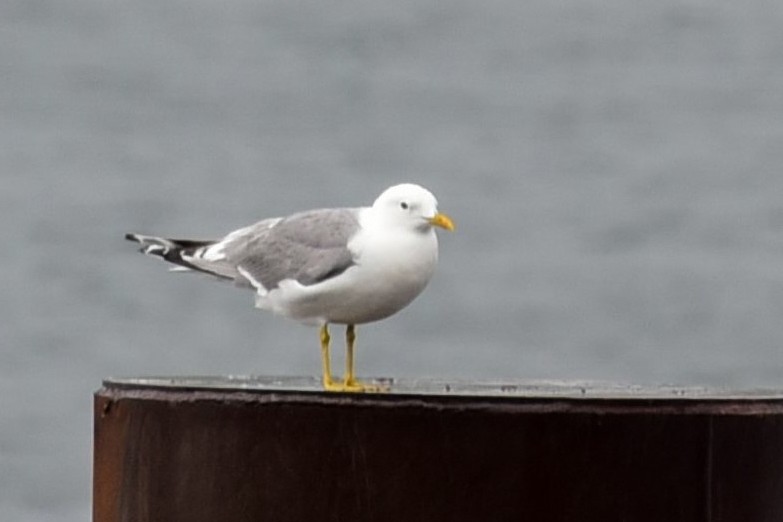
[442,221]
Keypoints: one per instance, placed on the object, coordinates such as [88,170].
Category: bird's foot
[352,386]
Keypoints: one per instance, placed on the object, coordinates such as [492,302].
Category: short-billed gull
[339,265]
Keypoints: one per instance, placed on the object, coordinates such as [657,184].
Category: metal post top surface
[440,392]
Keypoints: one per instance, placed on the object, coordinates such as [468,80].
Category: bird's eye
[404,205]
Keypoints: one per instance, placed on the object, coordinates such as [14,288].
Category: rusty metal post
[263,450]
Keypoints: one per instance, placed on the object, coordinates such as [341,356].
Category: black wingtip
[131,237]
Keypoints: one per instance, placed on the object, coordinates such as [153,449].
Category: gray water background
[614,168]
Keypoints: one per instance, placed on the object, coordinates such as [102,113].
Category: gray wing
[308,247]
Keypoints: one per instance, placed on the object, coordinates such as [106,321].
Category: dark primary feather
[174,251]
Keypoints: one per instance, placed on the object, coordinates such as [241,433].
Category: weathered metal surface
[242,449]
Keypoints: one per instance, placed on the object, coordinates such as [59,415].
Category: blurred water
[613,168]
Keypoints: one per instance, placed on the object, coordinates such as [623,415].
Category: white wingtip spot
[213,253]
[155,249]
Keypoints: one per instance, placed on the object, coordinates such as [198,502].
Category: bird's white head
[410,205]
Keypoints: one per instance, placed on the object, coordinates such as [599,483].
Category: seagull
[345,266]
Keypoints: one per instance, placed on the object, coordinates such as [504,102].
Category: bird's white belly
[372,298]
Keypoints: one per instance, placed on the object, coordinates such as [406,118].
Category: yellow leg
[350,338]
[349,380]
[329,383]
